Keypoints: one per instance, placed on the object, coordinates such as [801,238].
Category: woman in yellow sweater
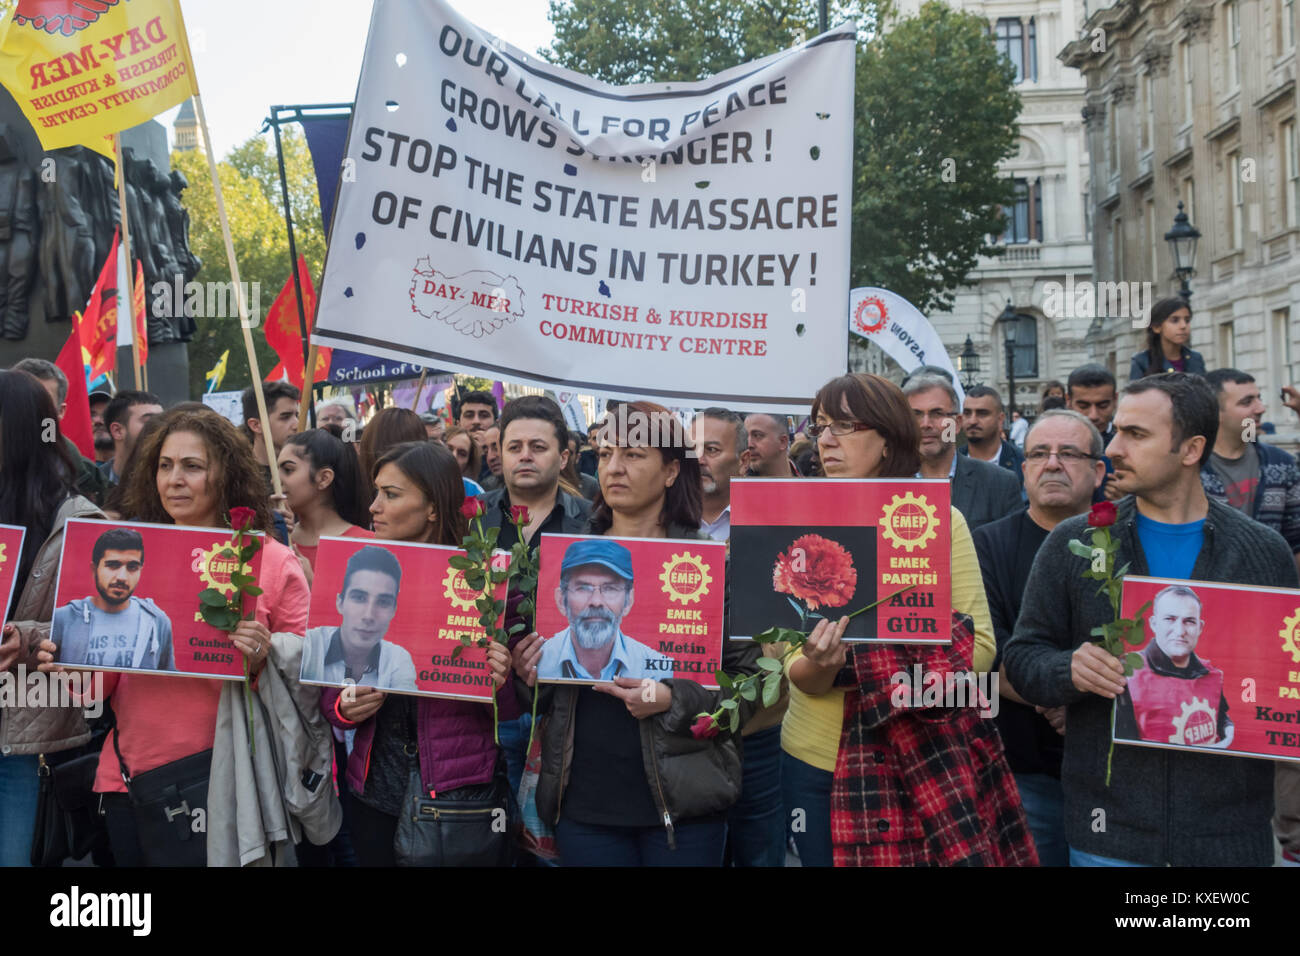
[880,784]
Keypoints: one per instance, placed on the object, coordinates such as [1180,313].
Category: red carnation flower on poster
[817,571]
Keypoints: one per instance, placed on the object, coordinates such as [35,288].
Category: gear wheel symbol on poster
[909,521]
[685,578]
[1290,635]
[1196,724]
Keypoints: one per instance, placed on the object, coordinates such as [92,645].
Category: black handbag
[467,826]
[68,824]
[170,806]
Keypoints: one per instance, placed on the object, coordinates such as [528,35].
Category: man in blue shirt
[594,595]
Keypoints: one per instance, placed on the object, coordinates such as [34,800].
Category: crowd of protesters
[831,773]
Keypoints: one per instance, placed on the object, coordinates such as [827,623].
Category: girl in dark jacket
[418,496]
[1167,337]
[623,780]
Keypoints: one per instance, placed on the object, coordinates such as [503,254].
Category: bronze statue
[18,237]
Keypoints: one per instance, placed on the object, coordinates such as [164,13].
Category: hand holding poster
[531,223]
[642,608]
[1220,669]
[389,615]
[804,549]
[11,550]
[127,599]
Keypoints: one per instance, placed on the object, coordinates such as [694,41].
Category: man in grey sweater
[1162,806]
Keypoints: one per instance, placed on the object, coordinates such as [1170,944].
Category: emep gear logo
[685,578]
[1197,724]
[458,592]
[870,316]
[1290,635]
[217,565]
[61,16]
[909,522]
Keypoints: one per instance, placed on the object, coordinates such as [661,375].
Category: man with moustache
[491,446]
[768,443]
[1160,703]
[1161,806]
[980,491]
[594,595]
[1062,469]
[112,628]
[720,441]
[983,420]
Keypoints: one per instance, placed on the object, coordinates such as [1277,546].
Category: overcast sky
[250,54]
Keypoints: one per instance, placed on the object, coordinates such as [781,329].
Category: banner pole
[419,388]
[308,388]
[140,381]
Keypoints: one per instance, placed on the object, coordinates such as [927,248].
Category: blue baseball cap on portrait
[607,554]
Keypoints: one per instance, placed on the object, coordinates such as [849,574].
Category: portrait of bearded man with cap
[595,594]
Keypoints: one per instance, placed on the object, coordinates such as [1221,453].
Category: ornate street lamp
[1009,320]
[1182,244]
[968,363]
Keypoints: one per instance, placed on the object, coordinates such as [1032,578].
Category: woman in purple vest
[418,496]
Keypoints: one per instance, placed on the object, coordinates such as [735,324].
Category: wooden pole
[140,381]
[419,388]
[308,384]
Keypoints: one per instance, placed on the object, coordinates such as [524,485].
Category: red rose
[817,571]
[1103,514]
[704,727]
[241,518]
[519,514]
[471,508]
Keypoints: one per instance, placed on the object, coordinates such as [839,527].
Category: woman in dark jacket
[623,780]
[418,498]
[1167,337]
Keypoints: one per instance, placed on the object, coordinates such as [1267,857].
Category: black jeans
[372,835]
[123,837]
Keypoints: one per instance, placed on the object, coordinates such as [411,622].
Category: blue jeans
[513,735]
[1080,858]
[19,790]
[807,793]
[1044,803]
[582,844]
[756,824]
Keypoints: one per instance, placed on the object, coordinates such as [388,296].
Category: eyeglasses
[838,429]
[607,591]
[1066,456]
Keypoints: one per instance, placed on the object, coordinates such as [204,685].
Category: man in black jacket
[534,449]
[1062,469]
[1172,807]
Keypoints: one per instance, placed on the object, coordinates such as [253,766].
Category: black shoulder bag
[164,802]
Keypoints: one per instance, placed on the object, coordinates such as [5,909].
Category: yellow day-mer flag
[82,70]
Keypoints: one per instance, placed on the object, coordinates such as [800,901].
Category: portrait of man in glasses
[595,594]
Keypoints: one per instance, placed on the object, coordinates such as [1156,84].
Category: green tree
[935,113]
[250,186]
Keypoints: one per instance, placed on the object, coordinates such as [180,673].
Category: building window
[1287,34]
[1116,248]
[1234,198]
[1149,127]
[1112,142]
[1011,43]
[1186,59]
[1026,347]
[1189,199]
[1151,239]
[1227,346]
[1234,44]
[1291,183]
[1282,345]
[1031,51]
[1025,218]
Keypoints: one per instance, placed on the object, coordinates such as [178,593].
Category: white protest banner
[671,241]
[898,327]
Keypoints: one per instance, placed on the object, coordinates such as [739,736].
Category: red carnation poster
[644,608]
[1218,670]
[389,615]
[11,549]
[803,549]
[127,599]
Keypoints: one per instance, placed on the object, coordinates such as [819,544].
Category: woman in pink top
[192,470]
[322,485]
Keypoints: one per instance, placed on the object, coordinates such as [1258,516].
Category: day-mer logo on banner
[473,303]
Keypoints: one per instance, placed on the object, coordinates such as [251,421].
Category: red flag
[284,334]
[97,327]
[137,307]
[76,420]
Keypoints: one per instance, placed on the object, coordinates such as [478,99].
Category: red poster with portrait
[11,549]
[390,615]
[807,548]
[127,599]
[642,608]
[1218,670]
